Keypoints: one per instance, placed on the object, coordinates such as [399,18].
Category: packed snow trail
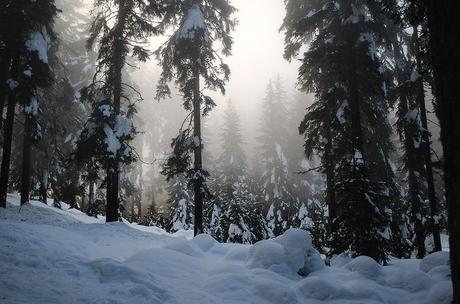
[48,255]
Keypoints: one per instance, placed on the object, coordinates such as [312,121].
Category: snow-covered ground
[48,255]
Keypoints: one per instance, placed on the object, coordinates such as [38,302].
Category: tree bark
[27,146]
[90,198]
[198,164]
[445,45]
[411,162]
[426,145]
[113,174]
[4,69]
[330,182]
[8,133]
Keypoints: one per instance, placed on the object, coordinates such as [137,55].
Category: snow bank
[365,266]
[435,259]
[54,255]
[288,254]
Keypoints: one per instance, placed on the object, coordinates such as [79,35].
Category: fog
[257,57]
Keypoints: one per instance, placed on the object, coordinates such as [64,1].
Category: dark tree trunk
[426,145]
[445,47]
[411,160]
[133,218]
[330,182]
[27,146]
[198,164]
[8,134]
[113,176]
[90,198]
[4,69]
[139,211]
[44,187]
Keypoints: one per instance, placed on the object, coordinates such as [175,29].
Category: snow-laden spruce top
[194,21]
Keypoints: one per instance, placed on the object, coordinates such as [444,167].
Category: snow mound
[239,253]
[205,242]
[442,272]
[320,289]
[287,254]
[365,266]
[435,259]
[441,293]
[340,260]
[183,246]
[52,255]
[410,280]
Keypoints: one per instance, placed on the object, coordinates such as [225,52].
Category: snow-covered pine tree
[347,124]
[412,72]
[72,24]
[181,215]
[275,181]
[187,57]
[239,216]
[27,35]
[120,28]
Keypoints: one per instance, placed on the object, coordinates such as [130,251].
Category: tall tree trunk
[90,198]
[445,45]
[27,146]
[4,69]
[132,210]
[198,165]
[8,133]
[426,145]
[411,162]
[113,174]
[330,182]
[44,187]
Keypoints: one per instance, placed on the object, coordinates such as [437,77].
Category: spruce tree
[190,59]
[347,124]
[109,130]
[181,205]
[27,40]
[239,216]
[275,181]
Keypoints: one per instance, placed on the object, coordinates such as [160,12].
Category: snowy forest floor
[49,255]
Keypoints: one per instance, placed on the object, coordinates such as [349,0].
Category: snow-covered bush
[291,252]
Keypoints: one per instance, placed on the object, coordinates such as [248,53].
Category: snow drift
[50,255]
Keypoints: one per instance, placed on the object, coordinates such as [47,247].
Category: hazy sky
[258,52]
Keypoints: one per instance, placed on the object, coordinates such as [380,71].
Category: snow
[123,126]
[32,107]
[365,266]
[113,144]
[106,110]
[433,260]
[288,254]
[358,158]
[52,255]
[341,111]
[12,84]
[193,22]
[39,41]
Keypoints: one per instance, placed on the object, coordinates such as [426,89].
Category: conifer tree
[27,40]
[275,181]
[190,59]
[342,68]
[239,216]
[120,28]
[181,205]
